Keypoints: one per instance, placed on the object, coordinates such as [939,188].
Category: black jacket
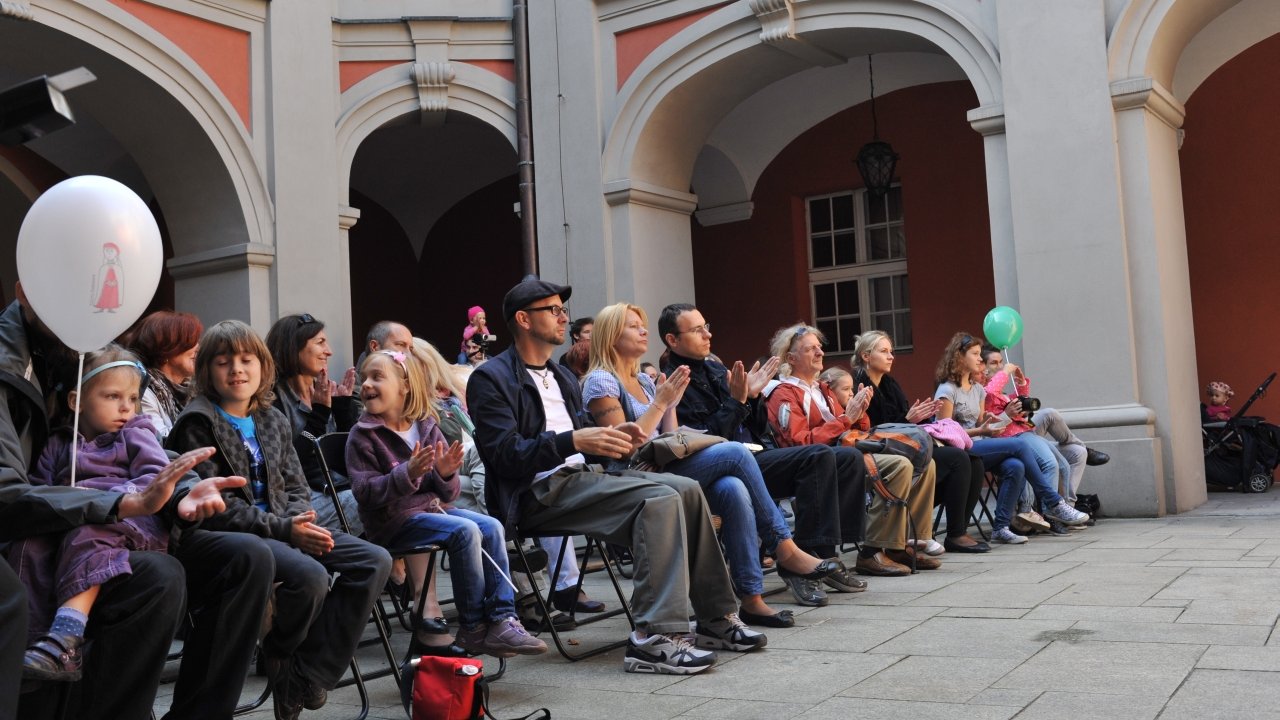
[708,405]
[511,429]
[889,404]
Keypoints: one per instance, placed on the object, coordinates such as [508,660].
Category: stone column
[231,282]
[1073,270]
[650,251]
[566,128]
[988,120]
[311,268]
[1147,122]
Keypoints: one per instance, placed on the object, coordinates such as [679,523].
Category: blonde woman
[727,472]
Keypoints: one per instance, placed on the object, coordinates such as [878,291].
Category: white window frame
[861,270]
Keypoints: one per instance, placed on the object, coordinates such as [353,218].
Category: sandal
[54,657]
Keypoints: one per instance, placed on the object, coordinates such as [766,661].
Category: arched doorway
[438,224]
[186,155]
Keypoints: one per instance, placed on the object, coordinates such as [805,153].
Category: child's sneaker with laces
[1067,514]
[665,655]
[509,636]
[1008,537]
[728,633]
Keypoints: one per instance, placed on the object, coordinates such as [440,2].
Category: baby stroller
[1243,451]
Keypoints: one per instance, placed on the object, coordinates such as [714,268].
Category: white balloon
[89,259]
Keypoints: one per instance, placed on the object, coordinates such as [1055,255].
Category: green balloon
[1002,326]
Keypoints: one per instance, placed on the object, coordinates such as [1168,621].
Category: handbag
[665,448]
[447,688]
[671,446]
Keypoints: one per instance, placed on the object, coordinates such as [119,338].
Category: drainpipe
[524,137]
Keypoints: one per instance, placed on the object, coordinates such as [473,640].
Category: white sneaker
[666,655]
[929,547]
[1008,537]
[1067,514]
[1033,520]
[729,633]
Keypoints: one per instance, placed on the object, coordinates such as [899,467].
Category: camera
[1029,404]
[483,342]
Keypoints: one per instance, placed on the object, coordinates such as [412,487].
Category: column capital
[636,192]
[222,259]
[347,217]
[1148,94]
[987,120]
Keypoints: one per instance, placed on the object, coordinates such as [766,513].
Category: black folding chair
[544,603]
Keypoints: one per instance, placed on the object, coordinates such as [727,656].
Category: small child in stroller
[1217,410]
[1240,451]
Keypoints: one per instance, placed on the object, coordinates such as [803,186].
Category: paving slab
[781,675]
[933,679]
[1230,612]
[1008,595]
[1059,705]
[583,704]
[1226,694]
[1103,612]
[1176,632]
[973,637]
[842,707]
[747,710]
[1241,658]
[1112,668]
[843,634]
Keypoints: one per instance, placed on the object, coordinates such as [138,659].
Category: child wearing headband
[117,450]
[404,476]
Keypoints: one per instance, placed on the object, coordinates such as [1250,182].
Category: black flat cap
[529,290]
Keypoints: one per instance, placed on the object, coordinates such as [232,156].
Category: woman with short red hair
[166,342]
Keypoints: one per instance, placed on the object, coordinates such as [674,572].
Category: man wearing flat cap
[544,478]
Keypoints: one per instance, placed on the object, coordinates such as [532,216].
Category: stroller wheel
[1258,483]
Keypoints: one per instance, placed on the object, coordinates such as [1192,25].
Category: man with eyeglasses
[727,402]
[531,433]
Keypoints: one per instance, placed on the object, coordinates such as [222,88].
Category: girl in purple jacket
[118,450]
[404,475]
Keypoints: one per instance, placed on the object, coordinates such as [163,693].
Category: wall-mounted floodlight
[36,107]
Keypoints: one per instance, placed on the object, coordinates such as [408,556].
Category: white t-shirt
[558,419]
[410,436]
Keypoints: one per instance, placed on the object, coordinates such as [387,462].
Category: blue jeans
[480,593]
[1064,472]
[1036,465]
[735,490]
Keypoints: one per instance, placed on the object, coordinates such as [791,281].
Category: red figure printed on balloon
[108,284]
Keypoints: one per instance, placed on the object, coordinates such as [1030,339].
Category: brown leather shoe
[923,562]
[880,565]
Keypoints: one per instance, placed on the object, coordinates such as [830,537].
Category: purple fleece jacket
[377,463]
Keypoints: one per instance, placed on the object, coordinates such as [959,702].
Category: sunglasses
[306,319]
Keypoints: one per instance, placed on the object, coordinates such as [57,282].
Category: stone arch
[215,165]
[726,48]
[391,94]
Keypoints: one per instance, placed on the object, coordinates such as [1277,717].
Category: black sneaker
[1057,528]
[728,633]
[666,655]
[845,580]
[806,591]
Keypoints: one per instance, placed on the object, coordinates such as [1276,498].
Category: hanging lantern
[876,160]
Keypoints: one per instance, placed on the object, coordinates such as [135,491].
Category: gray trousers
[662,518]
[1051,426]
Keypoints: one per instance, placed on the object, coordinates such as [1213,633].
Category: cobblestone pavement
[1165,618]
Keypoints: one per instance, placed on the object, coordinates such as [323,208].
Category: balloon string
[75,425]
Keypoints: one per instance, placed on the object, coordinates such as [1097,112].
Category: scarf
[172,398]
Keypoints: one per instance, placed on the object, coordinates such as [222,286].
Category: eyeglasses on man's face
[703,328]
[555,310]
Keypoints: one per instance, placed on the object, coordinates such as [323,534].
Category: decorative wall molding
[433,80]
[987,120]
[777,19]
[1146,93]
[778,29]
[634,192]
[347,217]
[223,259]
[724,214]
[18,9]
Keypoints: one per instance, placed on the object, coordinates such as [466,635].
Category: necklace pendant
[546,383]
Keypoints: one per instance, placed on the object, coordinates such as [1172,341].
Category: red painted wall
[472,257]
[1230,174]
[764,283]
